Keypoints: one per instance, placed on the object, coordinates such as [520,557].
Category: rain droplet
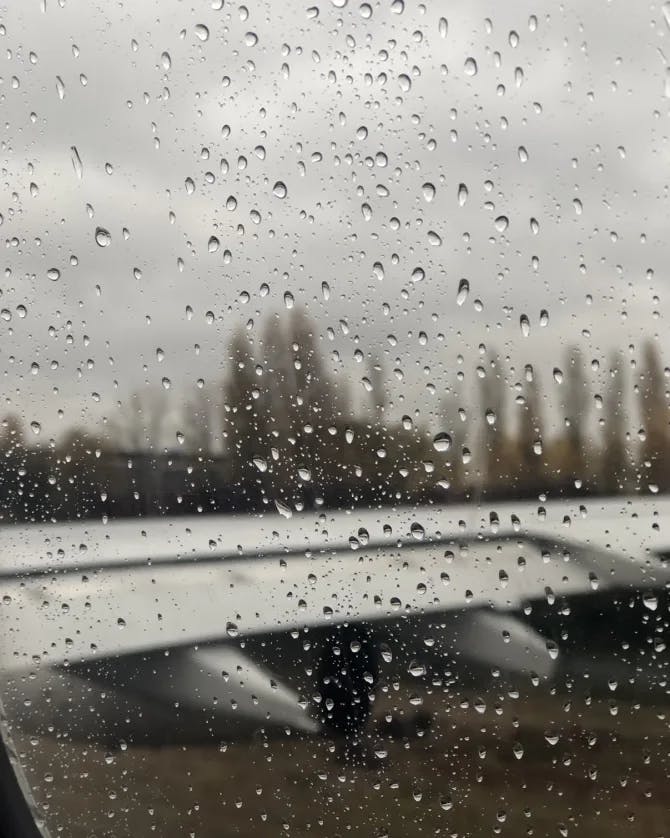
[202,31]
[463,291]
[470,67]
[60,87]
[417,531]
[525,325]
[284,510]
[213,244]
[418,274]
[166,61]
[443,27]
[76,162]
[366,210]
[102,237]
[442,442]
[53,274]
[577,204]
[250,39]
[279,189]
[462,194]
[650,601]
[35,427]
[434,238]
[428,192]
[501,223]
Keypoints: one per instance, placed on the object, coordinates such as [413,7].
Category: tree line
[285,433]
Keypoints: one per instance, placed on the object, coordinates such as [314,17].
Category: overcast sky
[354,108]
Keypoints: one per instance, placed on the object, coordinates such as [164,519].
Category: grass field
[533,765]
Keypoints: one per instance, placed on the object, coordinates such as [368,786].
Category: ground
[532,764]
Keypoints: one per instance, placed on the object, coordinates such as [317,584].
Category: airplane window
[335,434]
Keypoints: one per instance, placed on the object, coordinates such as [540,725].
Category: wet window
[335,431]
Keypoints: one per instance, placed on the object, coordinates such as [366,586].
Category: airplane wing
[206,616]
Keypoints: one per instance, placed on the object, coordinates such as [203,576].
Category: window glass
[335,442]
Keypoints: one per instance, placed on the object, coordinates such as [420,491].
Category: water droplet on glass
[428,192]
[434,238]
[418,274]
[443,27]
[470,67]
[366,210]
[283,509]
[213,244]
[417,531]
[279,189]
[501,223]
[525,325]
[201,31]
[35,427]
[76,162]
[250,39]
[462,194]
[416,669]
[102,237]
[53,274]
[442,442]
[650,601]
[463,291]
[60,87]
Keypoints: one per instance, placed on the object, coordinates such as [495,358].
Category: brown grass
[606,775]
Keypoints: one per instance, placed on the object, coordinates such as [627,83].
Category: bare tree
[492,389]
[378,386]
[613,459]
[242,420]
[531,435]
[576,403]
[654,410]
[140,421]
